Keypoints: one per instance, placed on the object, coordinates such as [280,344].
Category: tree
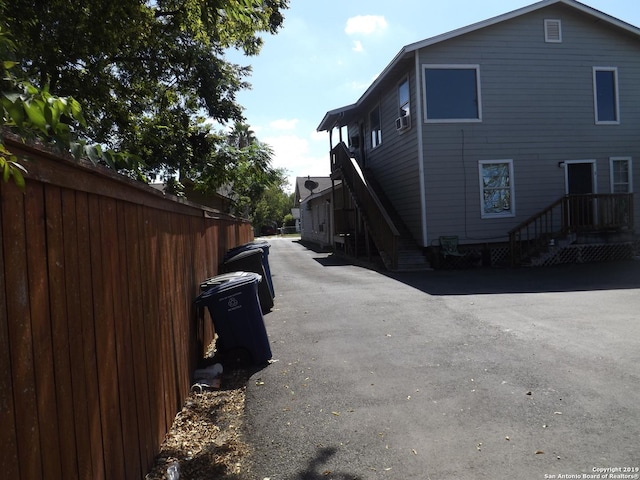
[272,207]
[148,71]
[32,112]
[241,135]
[240,163]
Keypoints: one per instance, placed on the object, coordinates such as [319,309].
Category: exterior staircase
[393,241]
[575,229]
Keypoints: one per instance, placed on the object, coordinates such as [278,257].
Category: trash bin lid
[225,277]
[245,253]
[263,244]
[229,283]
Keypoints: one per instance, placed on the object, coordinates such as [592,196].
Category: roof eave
[333,117]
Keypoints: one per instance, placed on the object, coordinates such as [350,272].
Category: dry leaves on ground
[206,436]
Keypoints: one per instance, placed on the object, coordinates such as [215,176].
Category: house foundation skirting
[497,255]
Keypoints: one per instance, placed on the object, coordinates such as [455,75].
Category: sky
[328,53]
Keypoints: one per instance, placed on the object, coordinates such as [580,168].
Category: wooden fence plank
[60,331]
[9,463]
[73,256]
[86,317]
[148,225]
[201,270]
[105,342]
[167,284]
[125,344]
[36,245]
[181,325]
[138,334]
[20,334]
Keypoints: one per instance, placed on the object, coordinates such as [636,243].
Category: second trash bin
[236,314]
[251,261]
[265,247]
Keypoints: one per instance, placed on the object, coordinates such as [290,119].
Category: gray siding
[395,162]
[315,220]
[537,107]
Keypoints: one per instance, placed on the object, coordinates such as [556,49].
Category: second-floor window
[452,93]
[374,125]
[605,93]
[404,98]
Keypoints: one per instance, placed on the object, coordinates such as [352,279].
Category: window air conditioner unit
[402,123]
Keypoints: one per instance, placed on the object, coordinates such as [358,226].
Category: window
[452,93]
[496,188]
[404,99]
[605,92]
[552,31]
[374,124]
[621,177]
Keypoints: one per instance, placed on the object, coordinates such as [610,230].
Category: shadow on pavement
[314,470]
[619,275]
[563,278]
[313,246]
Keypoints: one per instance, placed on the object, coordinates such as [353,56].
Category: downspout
[420,126]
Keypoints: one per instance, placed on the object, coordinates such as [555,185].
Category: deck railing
[570,214]
[384,232]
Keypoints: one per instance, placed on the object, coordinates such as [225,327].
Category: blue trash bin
[237,316]
[251,261]
[259,244]
[225,277]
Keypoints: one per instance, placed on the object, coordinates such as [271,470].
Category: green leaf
[76,149]
[76,111]
[93,153]
[109,158]
[48,114]
[30,89]
[36,115]
[18,178]
[6,172]
[11,96]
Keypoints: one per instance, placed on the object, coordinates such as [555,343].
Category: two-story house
[514,136]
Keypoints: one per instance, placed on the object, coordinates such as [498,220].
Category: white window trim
[476,67]
[612,160]
[512,212]
[595,95]
[400,105]
[373,147]
[547,37]
[594,173]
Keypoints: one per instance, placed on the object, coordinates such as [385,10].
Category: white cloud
[357,46]
[320,136]
[365,24]
[284,124]
[293,153]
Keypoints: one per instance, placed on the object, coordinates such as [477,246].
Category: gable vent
[553,31]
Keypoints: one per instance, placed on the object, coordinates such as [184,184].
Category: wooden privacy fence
[98,333]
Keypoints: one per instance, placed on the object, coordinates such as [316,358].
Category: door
[580,181]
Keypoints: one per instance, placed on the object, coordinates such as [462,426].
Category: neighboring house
[516,136]
[313,197]
[295,213]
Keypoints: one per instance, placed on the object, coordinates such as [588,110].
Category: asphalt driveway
[475,374]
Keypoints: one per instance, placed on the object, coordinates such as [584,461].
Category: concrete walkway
[475,374]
